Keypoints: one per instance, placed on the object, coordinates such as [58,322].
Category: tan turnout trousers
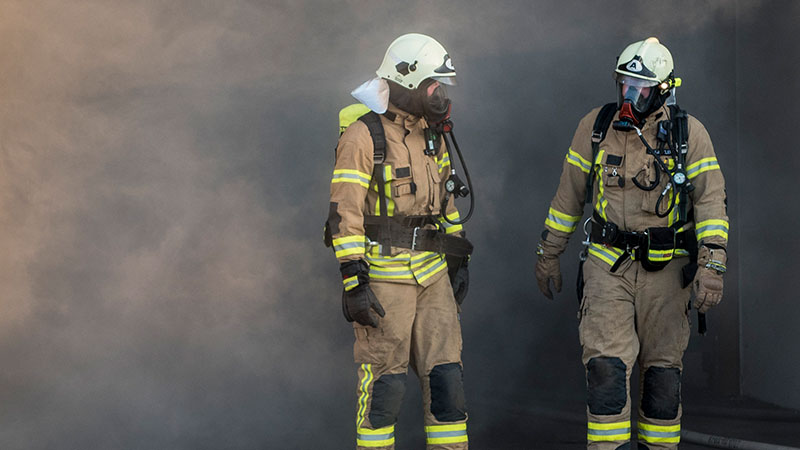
[420,329]
[628,316]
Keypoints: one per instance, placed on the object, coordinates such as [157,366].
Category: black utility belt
[395,232]
[654,247]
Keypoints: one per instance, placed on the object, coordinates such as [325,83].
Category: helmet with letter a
[645,78]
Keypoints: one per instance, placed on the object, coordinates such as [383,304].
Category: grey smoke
[164,170]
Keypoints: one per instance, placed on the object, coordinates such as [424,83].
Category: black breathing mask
[428,100]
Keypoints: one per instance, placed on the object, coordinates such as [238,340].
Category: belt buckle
[414,239]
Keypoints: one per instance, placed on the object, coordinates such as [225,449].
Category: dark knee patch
[661,393]
[608,391]
[627,446]
[643,447]
[387,396]
[447,393]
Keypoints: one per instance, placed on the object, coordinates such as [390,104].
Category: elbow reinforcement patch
[387,397]
[661,393]
[608,390]
[447,393]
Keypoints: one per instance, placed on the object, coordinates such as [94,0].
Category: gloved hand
[547,266]
[707,284]
[358,300]
[457,269]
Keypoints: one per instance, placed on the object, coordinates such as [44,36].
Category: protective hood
[374,94]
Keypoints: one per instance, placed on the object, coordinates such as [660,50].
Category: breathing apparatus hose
[454,178]
[659,163]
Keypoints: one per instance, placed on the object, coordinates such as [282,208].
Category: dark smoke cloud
[164,170]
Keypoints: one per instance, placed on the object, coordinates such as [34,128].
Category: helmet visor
[638,92]
[450,81]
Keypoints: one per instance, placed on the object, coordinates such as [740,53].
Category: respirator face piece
[429,100]
[636,98]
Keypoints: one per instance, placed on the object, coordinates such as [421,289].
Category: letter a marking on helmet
[634,66]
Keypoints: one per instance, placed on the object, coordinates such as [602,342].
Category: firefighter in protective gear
[657,207]
[387,227]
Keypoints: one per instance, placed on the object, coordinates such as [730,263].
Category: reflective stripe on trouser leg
[446,434]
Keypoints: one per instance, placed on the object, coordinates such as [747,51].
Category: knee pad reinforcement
[661,393]
[447,393]
[608,392]
[387,397]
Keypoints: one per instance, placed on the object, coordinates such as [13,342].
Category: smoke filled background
[164,176]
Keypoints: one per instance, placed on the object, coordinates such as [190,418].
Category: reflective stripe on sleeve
[618,431]
[713,227]
[351,176]
[375,438]
[578,161]
[350,283]
[561,221]
[704,165]
[446,434]
[349,245]
[449,227]
[658,433]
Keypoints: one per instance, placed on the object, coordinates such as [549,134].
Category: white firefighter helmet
[646,60]
[414,57]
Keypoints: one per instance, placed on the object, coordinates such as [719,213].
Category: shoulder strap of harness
[373,122]
[601,124]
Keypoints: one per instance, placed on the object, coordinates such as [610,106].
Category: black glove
[358,300]
[457,269]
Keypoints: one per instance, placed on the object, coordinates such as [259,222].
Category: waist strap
[608,233]
[394,232]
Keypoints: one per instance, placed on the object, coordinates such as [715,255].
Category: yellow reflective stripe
[349,245]
[659,433]
[616,431]
[351,176]
[712,227]
[578,161]
[390,273]
[681,252]
[446,434]
[609,255]
[350,283]
[431,269]
[452,427]
[387,191]
[704,165]
[661,428]
[561,221]
[609,426]
[602,203]
[363,388]
[449,227]
[375,438]
[448,440]
[444,162]
[659,255]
